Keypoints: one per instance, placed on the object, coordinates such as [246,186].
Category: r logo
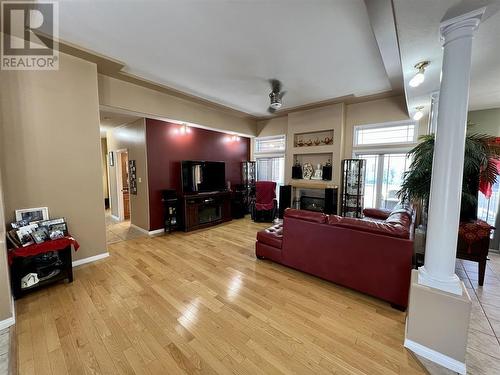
[29,31]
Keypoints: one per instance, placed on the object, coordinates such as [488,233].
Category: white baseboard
[79,262]
[139,228]
[436,357]
[150,232]
[115,217]
[157,231]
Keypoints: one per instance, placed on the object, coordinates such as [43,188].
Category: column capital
[460,26]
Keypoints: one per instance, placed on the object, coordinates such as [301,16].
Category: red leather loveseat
[371,255]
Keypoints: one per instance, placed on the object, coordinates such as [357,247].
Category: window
[383,134]
[270,144]
[270,159]
[271,169]
[383,178]
[488,209]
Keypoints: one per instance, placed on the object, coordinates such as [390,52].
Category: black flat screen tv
[203,176]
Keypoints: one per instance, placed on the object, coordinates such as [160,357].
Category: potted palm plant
[480,152]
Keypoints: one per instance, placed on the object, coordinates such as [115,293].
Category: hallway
[117,231]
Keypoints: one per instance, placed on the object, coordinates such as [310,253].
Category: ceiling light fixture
[419,77]
[419,114]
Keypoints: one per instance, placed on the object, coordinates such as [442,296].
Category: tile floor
[4,351]
[483,350]
[117,231]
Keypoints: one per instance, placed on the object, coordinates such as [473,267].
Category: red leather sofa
[371,255]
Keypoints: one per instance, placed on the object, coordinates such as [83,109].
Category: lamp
[418,114]
[419,77]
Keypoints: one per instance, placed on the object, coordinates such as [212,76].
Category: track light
[418,114]
[419,77]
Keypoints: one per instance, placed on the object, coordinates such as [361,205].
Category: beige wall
[342,118]
[104,164]
[324,118]
[485,122]
[50,149]
[5,294]
[119,94]
[274,126]
[132,137]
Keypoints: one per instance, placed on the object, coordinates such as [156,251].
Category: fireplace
[312,203]
[208,213]
[319,199]
[312,200]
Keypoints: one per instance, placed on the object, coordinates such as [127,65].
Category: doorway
[118,225]
[123,185]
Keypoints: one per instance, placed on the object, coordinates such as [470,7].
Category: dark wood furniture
[474,244]
[203,210]
[170,210]
[238,204]
[33,259]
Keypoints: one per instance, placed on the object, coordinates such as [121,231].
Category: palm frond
[479,153]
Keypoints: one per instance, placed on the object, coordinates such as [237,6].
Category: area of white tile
[4,351]
[117,231]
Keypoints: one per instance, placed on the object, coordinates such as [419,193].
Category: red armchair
[264,207]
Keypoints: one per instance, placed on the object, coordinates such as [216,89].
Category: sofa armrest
[377,213]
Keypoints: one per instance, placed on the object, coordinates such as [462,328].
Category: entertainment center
[206,209]
[205,201]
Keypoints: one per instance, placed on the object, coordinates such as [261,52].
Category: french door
[383,178]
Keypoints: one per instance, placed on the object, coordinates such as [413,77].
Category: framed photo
[58,231]
[111,157]
[33,214]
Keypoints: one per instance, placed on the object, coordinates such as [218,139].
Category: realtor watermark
[30,30]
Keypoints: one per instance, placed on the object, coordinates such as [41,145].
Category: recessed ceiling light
[418,114]
[419,77]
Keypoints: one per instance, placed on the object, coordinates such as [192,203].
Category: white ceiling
[418,32]
[225,50]
[109,120]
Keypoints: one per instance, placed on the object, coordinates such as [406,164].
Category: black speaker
[297,172]
[331,199]
[285,199]
[327,172]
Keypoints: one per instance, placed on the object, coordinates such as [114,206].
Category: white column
[447,167]
[433,112]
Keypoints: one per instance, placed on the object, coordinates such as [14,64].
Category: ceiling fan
[276,95]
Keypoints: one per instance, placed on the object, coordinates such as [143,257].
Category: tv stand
[204,210]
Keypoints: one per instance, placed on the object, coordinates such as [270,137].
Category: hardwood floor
[201,303]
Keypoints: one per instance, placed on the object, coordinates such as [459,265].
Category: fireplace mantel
[312,184]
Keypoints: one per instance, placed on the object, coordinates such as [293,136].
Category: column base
[437,324]
[450,285]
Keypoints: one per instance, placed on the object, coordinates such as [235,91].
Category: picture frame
[111,158]
[32,214]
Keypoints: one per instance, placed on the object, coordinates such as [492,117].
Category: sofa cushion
[402,208]
[383,228]
[334,219]
[377,213]
[272,236]
[315,217]
[401,218]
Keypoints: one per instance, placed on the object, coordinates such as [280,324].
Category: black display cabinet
[170,210]
[248,177]
[353,187]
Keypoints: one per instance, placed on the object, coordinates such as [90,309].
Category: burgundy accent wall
[167,147]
